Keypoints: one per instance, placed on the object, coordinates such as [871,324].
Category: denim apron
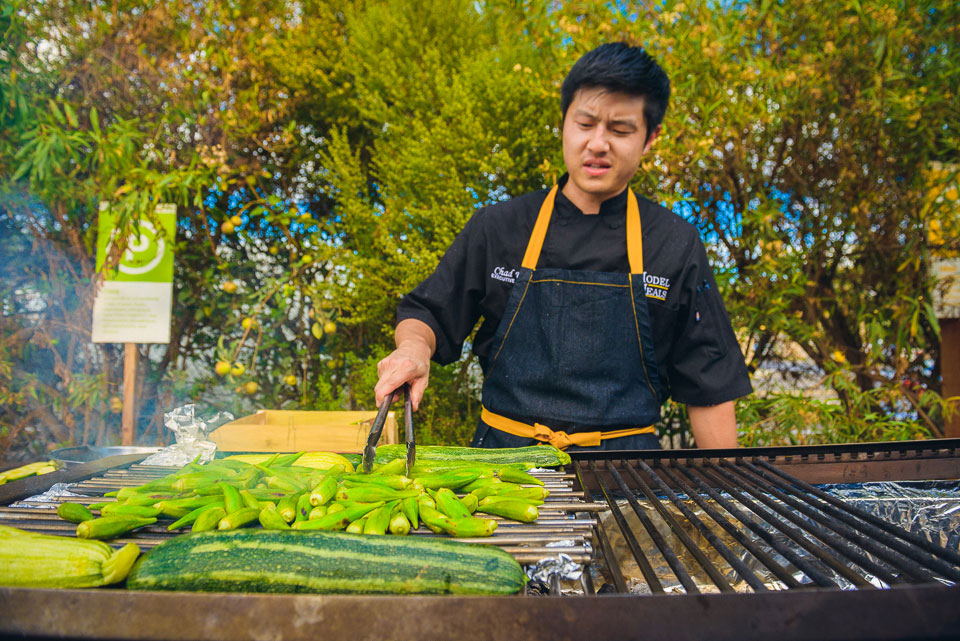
[573,351]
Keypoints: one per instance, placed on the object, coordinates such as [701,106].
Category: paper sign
[946,291]
[134,303]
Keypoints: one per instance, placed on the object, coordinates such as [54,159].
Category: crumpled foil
[930,509]
[51,496]
[190,431]
[561,565]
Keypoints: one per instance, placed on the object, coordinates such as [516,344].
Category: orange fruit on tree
[227,227]
[329,327]
[222,368]
[290,380]
[248,322]
[236,220]
[251,388]
[238,369]
[229,287]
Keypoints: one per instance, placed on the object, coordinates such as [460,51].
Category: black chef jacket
[699,359]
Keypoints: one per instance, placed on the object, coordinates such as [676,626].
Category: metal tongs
[377,429]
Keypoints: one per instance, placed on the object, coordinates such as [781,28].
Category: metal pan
[87,453]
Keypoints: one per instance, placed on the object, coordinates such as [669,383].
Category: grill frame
[902,612]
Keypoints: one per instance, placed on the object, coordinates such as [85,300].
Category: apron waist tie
[559,439]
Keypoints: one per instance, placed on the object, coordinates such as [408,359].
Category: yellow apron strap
[560,440]
[634,233]
[535,244]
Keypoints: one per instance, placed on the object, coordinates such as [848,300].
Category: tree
[323,155]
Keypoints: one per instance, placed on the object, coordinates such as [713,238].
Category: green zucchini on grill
[537,455]
[324,562]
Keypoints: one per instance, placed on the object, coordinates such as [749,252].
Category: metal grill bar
[741,569]
[842,526]
[618,581]
[778,570]
[697,553]
[789,554]
[645,568]
[769,515]
[873,520]
[816,529]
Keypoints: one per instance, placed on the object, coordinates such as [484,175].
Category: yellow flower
[838,356]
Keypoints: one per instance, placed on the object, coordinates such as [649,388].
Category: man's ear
[653,136]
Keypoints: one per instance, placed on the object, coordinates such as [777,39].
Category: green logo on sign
[148,256]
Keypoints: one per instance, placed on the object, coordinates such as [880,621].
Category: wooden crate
[293,431]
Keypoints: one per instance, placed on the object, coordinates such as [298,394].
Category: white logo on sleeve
[504,274]
[656,286]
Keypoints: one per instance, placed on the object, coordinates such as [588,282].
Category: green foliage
[354,139]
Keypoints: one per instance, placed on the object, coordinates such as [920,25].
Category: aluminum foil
[561,565]
[57,491]
[929,509]
[190,431]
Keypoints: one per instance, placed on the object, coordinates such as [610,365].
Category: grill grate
[722,501]
[564,526]
[781,532]
[691,525]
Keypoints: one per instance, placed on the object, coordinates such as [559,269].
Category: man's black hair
[617,66]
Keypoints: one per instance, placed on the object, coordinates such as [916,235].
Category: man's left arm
[714,426]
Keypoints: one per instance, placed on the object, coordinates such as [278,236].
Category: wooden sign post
[128,418]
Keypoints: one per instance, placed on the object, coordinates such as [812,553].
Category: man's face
[604,138]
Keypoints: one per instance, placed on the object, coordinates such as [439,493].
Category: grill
[557,527]
[722,544]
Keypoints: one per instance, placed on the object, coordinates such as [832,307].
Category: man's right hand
[409,363]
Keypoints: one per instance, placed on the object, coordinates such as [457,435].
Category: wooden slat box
[292,431]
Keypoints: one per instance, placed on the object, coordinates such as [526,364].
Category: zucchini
[537,455]
[315,460]
[324,562]
[44,561]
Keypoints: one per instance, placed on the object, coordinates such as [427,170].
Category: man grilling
[597,304]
